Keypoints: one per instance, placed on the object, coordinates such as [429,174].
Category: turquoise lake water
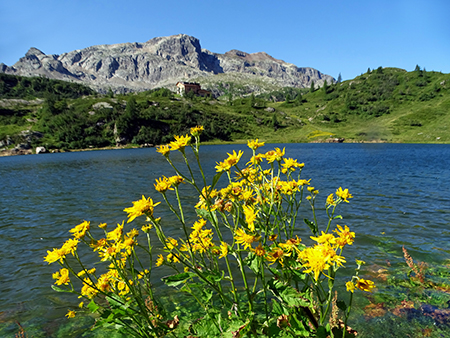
[401,198]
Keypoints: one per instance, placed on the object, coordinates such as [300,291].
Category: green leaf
[311,225]
[252,261]
[93,307]
[337,217]
[287,294]
[57,289]
[206,214]
[177,279]
[216,179]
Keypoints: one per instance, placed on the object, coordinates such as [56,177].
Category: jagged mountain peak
[158,62]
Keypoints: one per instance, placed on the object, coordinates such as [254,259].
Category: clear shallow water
[401,197]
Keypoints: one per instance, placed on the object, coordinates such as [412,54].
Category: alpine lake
[401,198]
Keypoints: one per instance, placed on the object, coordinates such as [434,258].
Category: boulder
[40,150]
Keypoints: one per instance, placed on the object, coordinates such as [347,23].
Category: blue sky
[346,36]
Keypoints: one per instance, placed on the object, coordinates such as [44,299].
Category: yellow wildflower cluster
[141,207]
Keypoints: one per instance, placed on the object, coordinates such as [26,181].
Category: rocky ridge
[161,62]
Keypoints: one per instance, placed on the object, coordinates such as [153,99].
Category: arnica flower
[350,286]
[275,155]
[232,160]
[55,255]
[343,194]
[259,250]
[346,237]
[320,258]
[163,184]
[276,254]
[176,180]
[250,217]
[254,144]
[330,200]
[196,131]
[62,277]
[290,164]
[303,182]
[242,238]
[223,249]
[163,149]
[365,285]
[141,207]
[180,142]
[171,243]
[325,239]
[70,314]
[80,230]
[257,159]
[116,234]
[160,260]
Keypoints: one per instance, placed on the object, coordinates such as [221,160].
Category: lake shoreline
[12,152]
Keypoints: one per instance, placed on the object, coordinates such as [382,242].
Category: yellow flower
[62,277]
[276,254]
[365,285]
[80,230]
[70,314]
[176,180]
[273,237]
[54,255]
[303,182]
[350,286]
[325,238]
[343,194]
[259,251]
[345,236]
[232,160]
[141,207]
[171,243]
[242,238]
[275,155]
[254,144]
[116,234]
[196,131]
[330,200]
[320,258]
[223,249]
[257,159]
[160,260]
[250,217]
[180,142]
[162,184]
[81,305]
[163,149]
[146,228]
[102,226]
[70,246]
[290,165]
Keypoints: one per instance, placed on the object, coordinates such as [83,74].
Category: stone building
[186,87]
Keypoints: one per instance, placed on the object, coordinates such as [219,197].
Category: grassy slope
[385,105]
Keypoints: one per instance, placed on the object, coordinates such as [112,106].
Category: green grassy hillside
[382,105]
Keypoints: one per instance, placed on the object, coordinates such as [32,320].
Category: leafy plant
[241,260]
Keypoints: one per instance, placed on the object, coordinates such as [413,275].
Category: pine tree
[312,89]
[339,80]
[325,86]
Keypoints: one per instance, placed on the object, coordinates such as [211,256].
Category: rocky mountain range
[162,62]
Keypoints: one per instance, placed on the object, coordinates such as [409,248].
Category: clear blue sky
[340,36]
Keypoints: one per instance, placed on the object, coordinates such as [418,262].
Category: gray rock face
[159,62]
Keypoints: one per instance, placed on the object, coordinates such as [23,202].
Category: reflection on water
[401,197]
